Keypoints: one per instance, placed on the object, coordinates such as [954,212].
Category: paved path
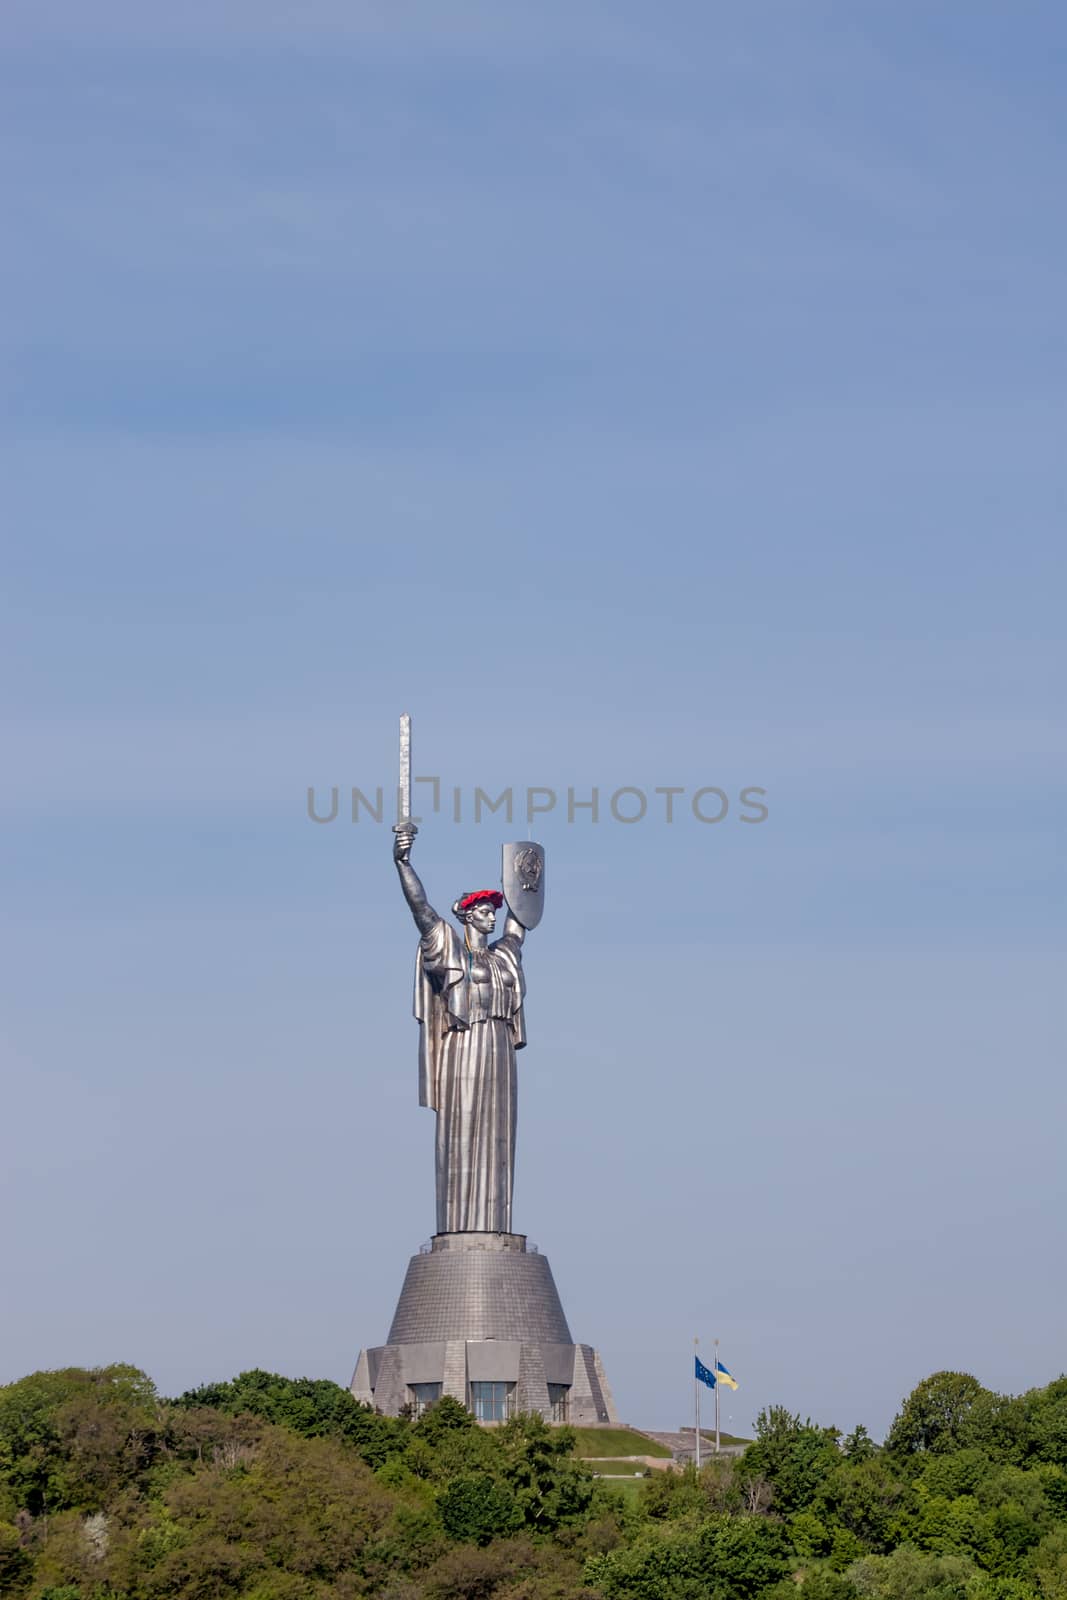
[682,1444]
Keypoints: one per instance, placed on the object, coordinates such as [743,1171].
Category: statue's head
[478,909]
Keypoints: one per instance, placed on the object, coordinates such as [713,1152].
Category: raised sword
[403,788]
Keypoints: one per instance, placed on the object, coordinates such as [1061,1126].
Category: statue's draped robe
[468,1035]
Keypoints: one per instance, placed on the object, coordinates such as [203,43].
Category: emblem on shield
[523,881]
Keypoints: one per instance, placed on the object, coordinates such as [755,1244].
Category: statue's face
[482,916]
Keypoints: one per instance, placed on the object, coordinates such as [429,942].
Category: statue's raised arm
[414,893]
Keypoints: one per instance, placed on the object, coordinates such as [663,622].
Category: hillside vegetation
[272,1489]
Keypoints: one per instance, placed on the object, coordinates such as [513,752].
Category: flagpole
[716,1397]
[696,1388]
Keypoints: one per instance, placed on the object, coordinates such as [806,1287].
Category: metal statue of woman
[469,993]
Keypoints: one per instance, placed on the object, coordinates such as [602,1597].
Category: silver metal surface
[478,1306]
[469,993]
[479,1294]
[522,874]
[404,780]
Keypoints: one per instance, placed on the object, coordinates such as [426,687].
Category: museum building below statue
[479,1318]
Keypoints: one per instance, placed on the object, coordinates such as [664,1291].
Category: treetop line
[273,1488]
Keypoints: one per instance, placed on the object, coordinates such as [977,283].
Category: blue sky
[638,399]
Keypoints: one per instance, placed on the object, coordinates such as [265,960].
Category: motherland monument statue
[479,1315]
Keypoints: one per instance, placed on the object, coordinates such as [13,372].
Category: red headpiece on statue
[472,899]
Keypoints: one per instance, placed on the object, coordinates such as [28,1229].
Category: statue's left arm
[513,928]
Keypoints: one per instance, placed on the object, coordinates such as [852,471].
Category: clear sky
[639,395]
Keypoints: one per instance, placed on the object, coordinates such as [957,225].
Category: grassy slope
[616,1442]
[625,1486]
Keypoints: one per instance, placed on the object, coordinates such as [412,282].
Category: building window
[423,1395]
[559,1399]
[492,1402]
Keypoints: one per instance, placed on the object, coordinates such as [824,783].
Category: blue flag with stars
[704,1374]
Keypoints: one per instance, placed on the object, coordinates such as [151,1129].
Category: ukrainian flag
[723,1376]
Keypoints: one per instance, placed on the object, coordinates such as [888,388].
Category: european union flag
[704,1374]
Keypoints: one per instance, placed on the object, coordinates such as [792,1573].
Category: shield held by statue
[523,881]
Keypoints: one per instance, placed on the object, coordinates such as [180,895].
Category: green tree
[1011,1532]
[508,1569]
[999,1425]
[73,1436]
[961,1472]
[15,1562]
[263,1489]
[1054,1488]
[445,1416]
[909,1574]
[311,1407]
[1046,1415]
[743,1555]
[660,1565]
[869,1499]
[984,1586]
[672,1494]
[794,1457]
[726,1558]
[858,1446]
[809,1535]
[846,1548]
[477,1509]
[279,1516]
[817,1583]
[537,1464]
[446,1443]
[1048,1565]
[954,1527]
[934,1415]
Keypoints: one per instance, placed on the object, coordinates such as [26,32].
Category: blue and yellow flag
[704,1374]
[723,1376]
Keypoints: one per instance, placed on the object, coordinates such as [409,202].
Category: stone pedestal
[479,1318]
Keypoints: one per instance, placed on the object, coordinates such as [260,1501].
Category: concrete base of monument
[479,1318]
